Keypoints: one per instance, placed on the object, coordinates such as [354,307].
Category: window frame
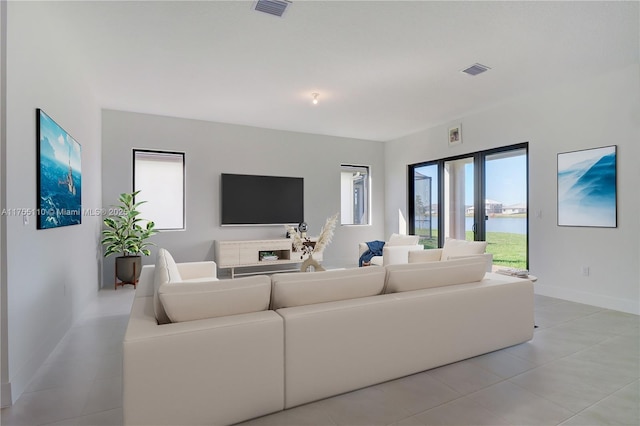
[479,160]
[344,167]
[184,185]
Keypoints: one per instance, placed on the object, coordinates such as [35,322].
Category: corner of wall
[5,386]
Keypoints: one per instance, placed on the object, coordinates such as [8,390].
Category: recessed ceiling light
[475,69]
[315,98]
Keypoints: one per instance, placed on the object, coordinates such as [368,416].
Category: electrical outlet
[539,214]
[585,271]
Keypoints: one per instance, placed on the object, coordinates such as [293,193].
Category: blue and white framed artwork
[587,188]
[59,175]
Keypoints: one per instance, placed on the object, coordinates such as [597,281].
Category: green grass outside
[509,250]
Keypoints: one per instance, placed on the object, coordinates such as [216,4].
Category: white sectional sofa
[323,333]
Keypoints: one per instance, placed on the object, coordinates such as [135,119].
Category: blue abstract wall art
[587,188]
[59,175]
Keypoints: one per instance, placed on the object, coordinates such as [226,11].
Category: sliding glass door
[480,196]
[424,180]
[506,210]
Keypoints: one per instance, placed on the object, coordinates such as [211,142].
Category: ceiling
[383,69]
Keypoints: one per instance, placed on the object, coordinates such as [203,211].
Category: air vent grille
[272,7]
[476,69]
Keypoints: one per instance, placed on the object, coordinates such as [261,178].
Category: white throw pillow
[453,247]
[200,299]
[402,240]
[326,286]
[419,276]
[394,255]
[172,268]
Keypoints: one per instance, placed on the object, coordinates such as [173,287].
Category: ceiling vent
[475,69]
[272,7]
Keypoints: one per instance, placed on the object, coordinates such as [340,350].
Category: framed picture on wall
[587,187]
[455,135]
[59,175]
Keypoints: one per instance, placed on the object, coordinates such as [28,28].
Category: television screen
[261,200]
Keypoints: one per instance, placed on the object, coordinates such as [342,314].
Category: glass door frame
[479,216]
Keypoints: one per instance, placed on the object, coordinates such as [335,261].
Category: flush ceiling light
[315,98]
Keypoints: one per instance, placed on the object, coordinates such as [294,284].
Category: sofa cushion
[422,256]
[165,271]
[418,276]
[394,255]
[199,299]
[325,286]
[402,240]
[453,247]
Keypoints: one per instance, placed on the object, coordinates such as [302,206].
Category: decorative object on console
[125,235]
[267,255]
[587,193]
[308,246]
[59,175]
[303,228]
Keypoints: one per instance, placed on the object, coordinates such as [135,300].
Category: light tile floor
[581,368]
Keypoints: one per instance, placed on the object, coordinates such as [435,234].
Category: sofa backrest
[325,286]
[202,295]
[194,300]
[418,276]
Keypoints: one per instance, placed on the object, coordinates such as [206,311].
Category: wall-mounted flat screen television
[261,200]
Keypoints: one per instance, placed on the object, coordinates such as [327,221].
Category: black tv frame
[260,200]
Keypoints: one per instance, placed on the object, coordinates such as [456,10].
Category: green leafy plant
[124,234]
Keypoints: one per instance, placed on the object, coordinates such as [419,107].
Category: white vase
[311,265]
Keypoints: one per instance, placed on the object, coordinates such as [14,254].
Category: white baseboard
[607,302]
[5,395]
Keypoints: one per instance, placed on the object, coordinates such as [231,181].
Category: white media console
[257,253]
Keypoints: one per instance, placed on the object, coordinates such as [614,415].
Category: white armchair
[169,276]
[395,251]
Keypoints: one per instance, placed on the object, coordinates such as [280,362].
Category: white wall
[586,114]
[51,274]
[5,389]
[214,148]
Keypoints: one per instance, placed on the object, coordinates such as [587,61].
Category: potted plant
[125,235]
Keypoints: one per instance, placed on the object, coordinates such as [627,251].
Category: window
[159,176]
[354,195]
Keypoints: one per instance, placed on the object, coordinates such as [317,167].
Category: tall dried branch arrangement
[326,234]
